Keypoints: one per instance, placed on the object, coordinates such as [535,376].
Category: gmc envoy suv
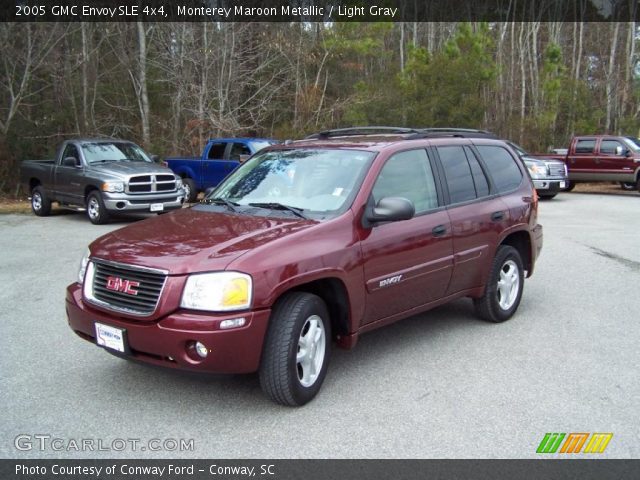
[311,242]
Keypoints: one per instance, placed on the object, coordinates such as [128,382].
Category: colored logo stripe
[574,443]
[598,442]
[550,443]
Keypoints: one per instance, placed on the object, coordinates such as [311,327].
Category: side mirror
[70,162]
[619,150]
[391,209]
[155,158]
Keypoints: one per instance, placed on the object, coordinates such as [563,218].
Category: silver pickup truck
[549,175]
[103,176]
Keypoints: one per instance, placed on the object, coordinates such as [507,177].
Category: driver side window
[408,175]
[70,151]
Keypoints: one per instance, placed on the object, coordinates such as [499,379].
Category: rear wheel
[297,349]
[628,185]
[570,186]
[96,211]
[40,204]
[190,190]
[504,290]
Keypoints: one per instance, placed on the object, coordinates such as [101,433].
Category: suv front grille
[151,183]
[556,169]
[124,288]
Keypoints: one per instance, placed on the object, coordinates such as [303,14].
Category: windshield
[260,144]
[113,152]
[313,181]
[634,143]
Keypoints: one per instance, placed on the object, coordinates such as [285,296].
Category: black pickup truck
[103,176]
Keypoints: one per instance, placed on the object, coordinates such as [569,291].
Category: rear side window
[502,167]
[216,152]
[408,175]
[479,178]
[585,146]
[458,173]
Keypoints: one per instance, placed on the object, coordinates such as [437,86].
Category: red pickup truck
[602,158]
[369,227]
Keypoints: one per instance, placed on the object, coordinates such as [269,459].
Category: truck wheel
[297,349]
[96,211]
[40,204]
[503,291]
[570,186]
[628,185]
[547,196]
[190,190]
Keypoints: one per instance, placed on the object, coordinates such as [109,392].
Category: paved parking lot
[439,385]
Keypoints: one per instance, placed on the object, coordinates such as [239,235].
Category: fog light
[201,350]
[233,323]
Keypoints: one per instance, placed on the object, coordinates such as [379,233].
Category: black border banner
[320,10]
[596,469]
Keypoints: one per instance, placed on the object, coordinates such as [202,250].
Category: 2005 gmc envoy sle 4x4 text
[309,242]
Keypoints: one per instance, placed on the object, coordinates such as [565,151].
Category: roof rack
[451,132]
[340,132]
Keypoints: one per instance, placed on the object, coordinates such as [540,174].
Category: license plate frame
[156,207]
[563,184]
[111,338]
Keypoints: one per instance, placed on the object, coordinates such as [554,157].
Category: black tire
[282,376]
[547,196]
[40,203]
[96,211]
[190,190]
[570,186]
[490,307]
[628,186]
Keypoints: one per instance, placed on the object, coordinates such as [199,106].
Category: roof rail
[451,132]
[339,132]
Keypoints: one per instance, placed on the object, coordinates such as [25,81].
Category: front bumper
[165,342]
[125,202]
[550,185]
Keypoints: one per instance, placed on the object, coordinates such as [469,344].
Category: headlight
[178,183]
[217,292]
[537,171]
[83,266]
[113,187]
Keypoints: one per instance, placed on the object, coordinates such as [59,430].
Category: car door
[614,163]
[214,165]
[407,263]
[581,161]
[477,214]
[66,178]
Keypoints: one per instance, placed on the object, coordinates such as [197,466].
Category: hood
[541,161]
[126,169]
[189,241]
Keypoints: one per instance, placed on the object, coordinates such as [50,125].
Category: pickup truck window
[609,146]
[238,149]
[216,152]
[585,146]
[317,181]
[257,146]
[408,175]
[70,151]
[504,169]
[100,152]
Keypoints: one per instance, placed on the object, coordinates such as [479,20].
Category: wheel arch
[521,241]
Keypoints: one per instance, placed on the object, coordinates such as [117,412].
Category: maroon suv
[312,241]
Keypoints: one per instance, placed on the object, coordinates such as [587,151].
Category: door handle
[497,216]
[439,231]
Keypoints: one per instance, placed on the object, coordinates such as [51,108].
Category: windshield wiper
[221,201]
[279,206]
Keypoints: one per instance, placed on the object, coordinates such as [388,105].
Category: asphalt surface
[438,385]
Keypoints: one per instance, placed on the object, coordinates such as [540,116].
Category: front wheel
[190,190]
[627,186]
[570,186]
[504,290]
[297,349]
[96,211]
[40,204]
[547,196]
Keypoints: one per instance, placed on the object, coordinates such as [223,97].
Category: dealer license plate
[156,207]
[110,337]
[562,185]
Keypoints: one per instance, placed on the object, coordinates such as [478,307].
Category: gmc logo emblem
[118,284]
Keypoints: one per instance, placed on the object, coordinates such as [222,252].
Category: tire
[96,211]
[570,186]
[628,186]
[547,196]
[40,203]
[496,304]
[287,375]
[190,190]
